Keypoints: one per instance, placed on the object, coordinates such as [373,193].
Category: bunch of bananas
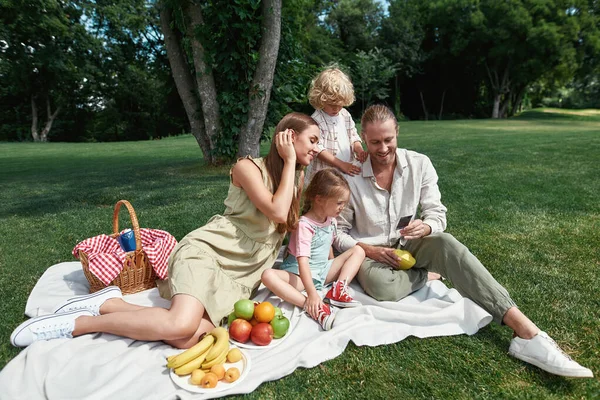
[209,351]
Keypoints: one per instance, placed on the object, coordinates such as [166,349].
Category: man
[393,184]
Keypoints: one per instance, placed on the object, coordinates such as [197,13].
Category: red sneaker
[325,317]
[339,295]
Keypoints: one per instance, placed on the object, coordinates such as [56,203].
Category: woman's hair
[332,87]
[328,182]
[377,113]
[298,122]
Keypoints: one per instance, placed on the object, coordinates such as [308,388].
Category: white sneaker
[544,353]
[90,302]
[46,327]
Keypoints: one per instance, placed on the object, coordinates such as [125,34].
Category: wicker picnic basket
[137,274]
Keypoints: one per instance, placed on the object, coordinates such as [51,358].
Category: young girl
[329,93]
[213,266]
[310,263]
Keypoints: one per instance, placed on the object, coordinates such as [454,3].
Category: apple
[262,334]
[280,326]
[244,309]
[240,330]
[231,317]
[406,259]
[278,311]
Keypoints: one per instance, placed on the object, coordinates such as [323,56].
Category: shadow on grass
[155,186]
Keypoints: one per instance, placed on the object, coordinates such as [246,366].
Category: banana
[203,346]
[219,360]
[221,343]
[189,367]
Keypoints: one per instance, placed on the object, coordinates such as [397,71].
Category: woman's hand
[415,230]
[285,146]
[313,304]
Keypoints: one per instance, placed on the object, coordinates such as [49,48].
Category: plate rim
[198,389]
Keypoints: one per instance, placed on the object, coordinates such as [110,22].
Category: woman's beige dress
[222,261]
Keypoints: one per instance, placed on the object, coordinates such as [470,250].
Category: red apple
[262,334]
[240,330]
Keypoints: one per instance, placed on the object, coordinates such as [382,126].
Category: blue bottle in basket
[127,240]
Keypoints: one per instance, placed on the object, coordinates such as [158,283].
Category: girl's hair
[328,182]
[377,113]
[332,87]
[298,122]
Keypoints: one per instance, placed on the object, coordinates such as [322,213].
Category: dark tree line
[100,70]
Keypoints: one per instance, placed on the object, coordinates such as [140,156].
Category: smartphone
[404,221]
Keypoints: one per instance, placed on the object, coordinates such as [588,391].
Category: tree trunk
[185,84]
[50,117]
[34,121]
[442,105]
[262,83]
[496,108]
[205,82]
[516,106]
[504,106]
[499,87]
[424,107]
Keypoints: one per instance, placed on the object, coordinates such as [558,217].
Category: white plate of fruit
[254,325]
[212,365]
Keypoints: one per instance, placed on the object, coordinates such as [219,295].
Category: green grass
[522,194]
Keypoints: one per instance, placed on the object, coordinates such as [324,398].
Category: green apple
[244,309]
[278,311]
[231,317]
[280,326]
[406,260]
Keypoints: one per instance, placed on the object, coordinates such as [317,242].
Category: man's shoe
[339,295]
[544,353]
[90,302]
[46,327]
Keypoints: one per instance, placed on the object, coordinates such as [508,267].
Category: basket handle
[134,222]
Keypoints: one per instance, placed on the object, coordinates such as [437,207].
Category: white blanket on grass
[104,366]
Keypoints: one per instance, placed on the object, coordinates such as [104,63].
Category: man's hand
[415,230]
[384,255]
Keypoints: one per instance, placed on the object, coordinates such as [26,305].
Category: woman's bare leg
[181,322]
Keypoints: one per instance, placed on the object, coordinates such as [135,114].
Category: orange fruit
[209,381]
[218,370]
[232,375]
[264,312]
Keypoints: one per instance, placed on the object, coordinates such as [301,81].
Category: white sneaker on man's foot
[91,302]
[544,353]
[46,327]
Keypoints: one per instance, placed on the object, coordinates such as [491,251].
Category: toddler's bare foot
[432,276]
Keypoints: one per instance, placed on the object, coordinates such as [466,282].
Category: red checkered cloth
[106,257]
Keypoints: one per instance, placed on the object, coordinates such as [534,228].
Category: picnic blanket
[104,366]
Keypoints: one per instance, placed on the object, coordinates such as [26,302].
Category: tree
[47,58]
[215,55]
[371,74]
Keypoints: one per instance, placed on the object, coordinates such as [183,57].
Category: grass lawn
[522,194]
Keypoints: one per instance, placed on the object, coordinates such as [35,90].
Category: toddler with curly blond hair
[340,144]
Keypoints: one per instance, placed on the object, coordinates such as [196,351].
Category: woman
[213,266]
